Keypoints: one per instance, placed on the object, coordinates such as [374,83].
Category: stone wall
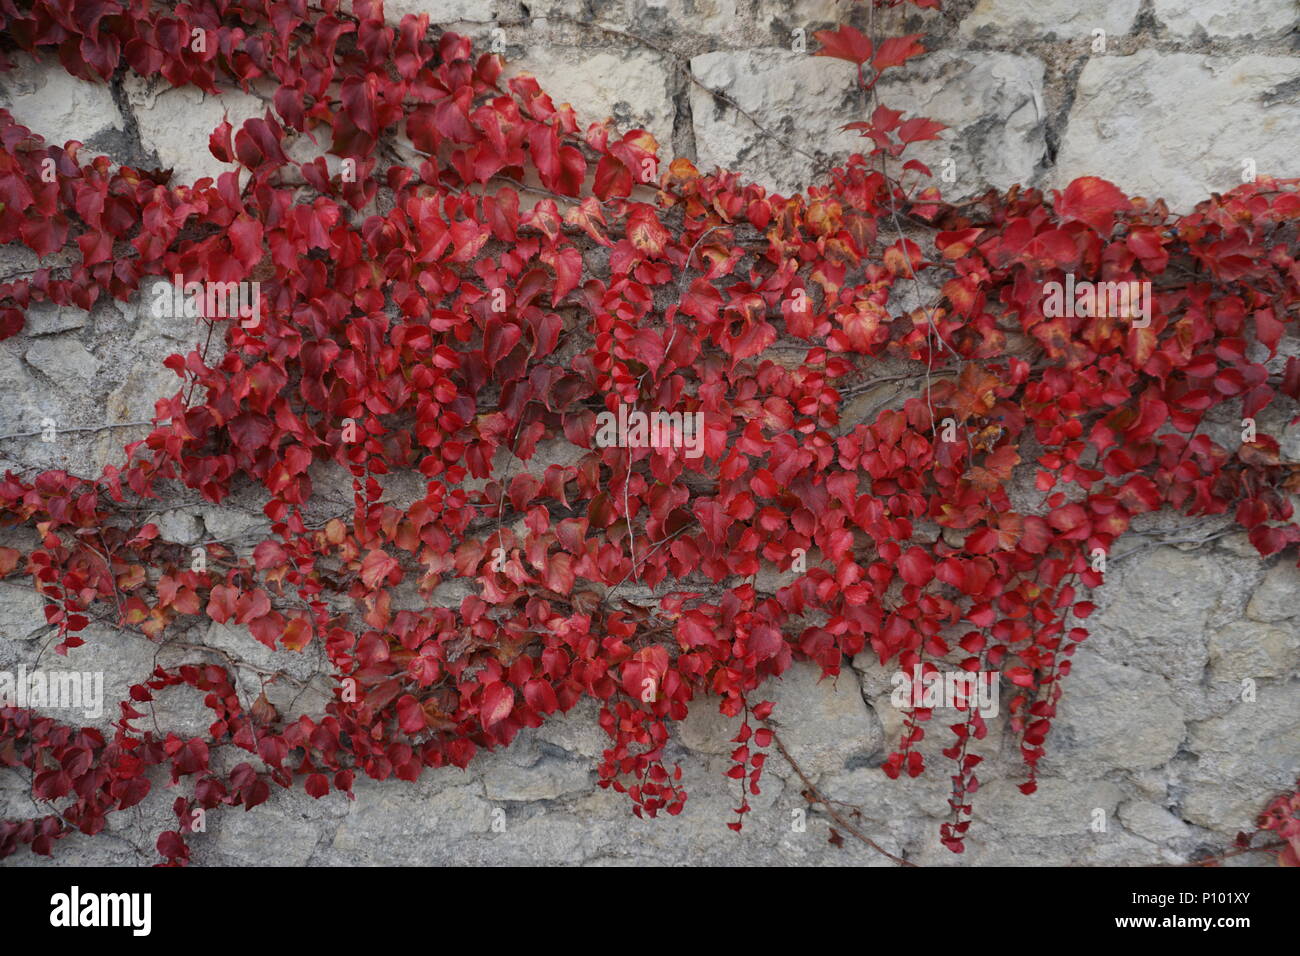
[1158,730]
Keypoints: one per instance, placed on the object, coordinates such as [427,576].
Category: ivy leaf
[1093,201]
[895,51]
[498,702]
[844,43]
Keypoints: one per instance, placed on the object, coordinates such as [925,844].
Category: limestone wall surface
[1155,732]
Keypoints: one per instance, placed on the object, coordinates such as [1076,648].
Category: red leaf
[1021,676]
[916,567]
[410,715]
[918,128]
[251,431]
[846,43]
[1093,201]
[376,567]
[540,696]
[897,50]
[498,702]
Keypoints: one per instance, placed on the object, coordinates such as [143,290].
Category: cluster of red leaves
[491,302]
[1282,817]
[99,777]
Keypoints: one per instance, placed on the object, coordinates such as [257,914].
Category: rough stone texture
[1177,601]
[992,103]
[56,105]
[1179,720]
[175,124]
[62,360]
[725,24]
[1145,120]
[1249,750]
[993,106]
[1210,18]
[86,376]
[635,89]
[1245,650]
[444,11]
[45,318]
[798,96]
[1153,822]
[1290,442]
[1117,718]
[1062,19]
[1278,596]
[828,724]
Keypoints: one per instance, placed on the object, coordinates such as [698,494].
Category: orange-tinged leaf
[975,394]
[646,232]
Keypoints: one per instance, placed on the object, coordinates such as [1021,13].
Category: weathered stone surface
[767,23]
[22,611]
[45,318]
[227,524]
[58,397]
[410,824]
[63,359]
[1238,545]
[302,692]
[907,811]
[1153,822]
[824,723]
[878,688]
[526,772]
[1160,617]
[1112,717]
[133,400]
[705,730]
[1168,598]
[992,103]
[1289,442]
[52,103]
[175,124]
[1048,19]
[1248,752]
[1257,18]
[1142,120]
[445,11]
[633,88]
[119,659]
[802,99]
[720,23]
[180,527]
[576,731]
[1278,595]
[17,412]
[239,838]
[1056,808]
[1153,730]
[156,317]
[1246,649]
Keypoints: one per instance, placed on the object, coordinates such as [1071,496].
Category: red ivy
[464,318]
